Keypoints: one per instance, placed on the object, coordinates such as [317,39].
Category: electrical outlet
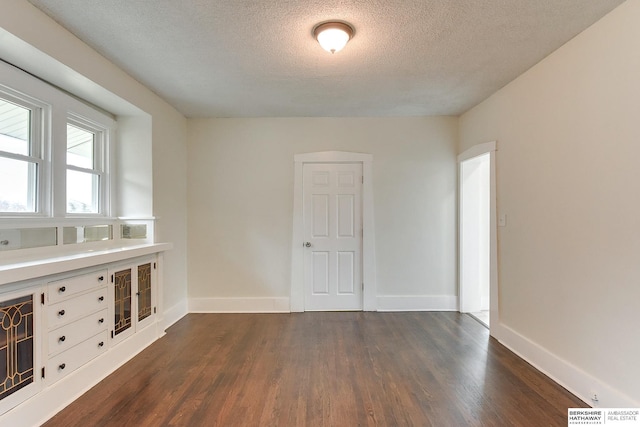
[594,397]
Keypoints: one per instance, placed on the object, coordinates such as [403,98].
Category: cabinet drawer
[70,360]
[74,333]
[62,289]
[75,308]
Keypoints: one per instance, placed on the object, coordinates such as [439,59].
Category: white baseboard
[175,313]
[53,398]
[417,303]
[281,305]
[239,305]
[575,380]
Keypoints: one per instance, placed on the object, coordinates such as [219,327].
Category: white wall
[36,43]
[241,201]
[568,179]
[134,189]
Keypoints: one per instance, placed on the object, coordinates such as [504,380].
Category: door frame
[475,151]
[369,291]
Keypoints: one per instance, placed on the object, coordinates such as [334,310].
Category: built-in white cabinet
[56,325]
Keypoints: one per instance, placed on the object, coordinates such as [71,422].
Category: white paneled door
[332,200]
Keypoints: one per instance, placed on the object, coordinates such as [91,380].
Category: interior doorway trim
[475,151]
[369,294]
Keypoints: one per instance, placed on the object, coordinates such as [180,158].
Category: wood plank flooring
[324,369]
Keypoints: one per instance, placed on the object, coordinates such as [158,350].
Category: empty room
[304,213]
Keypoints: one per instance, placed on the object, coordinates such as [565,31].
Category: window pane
[18,180]
[14,128]
[80,147]
[22,238]
[87,233]
[82,192]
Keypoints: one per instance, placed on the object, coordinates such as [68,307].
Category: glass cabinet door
[145,293]
[16,345]
[19,348]
[133,295]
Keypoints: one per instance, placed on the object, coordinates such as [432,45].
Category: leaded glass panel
[122,303]
[144,291]
[16,345]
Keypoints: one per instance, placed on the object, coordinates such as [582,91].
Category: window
[20,155]
[84,168]
[54,152]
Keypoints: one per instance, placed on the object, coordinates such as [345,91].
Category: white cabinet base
[38,409]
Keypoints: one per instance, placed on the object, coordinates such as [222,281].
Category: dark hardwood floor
[324,369]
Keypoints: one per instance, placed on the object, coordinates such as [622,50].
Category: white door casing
[332,200]
[369,292]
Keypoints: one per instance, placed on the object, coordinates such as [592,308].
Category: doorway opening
[477,233]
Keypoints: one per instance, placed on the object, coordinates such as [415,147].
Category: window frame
[100,167]
[51,110]
[39,151]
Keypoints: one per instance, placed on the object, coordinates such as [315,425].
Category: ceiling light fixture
[333,36]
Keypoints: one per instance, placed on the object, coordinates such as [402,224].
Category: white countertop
[43,266]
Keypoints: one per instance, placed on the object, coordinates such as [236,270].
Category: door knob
[308,244]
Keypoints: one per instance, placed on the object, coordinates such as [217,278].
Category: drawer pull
[62,366]
[100,279]
[101,299]
[62,289]
[62,338]
[61,313]
[101,343]
[101,320]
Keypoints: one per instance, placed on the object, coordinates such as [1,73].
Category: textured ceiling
[257,58]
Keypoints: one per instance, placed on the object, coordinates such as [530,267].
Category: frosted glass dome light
[333,36]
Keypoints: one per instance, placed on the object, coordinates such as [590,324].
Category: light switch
[502,220]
